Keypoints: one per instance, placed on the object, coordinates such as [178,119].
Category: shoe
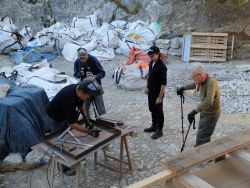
[150,129]
[157,135]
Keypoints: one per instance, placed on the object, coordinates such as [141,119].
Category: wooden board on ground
[159,177]
[232,172]
[229,173]
[184,161]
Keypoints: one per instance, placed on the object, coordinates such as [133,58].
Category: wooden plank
[209,40]
[189,180]
[188,159]
[207,52]
[206,59]
[229,173]
[209,34]
[160,177]
[223,47]
[232,47]
[242,155]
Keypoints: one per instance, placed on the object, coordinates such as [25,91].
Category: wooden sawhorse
[119,169]
[79,167]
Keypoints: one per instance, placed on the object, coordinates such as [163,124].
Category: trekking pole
[182,128]
[184,142]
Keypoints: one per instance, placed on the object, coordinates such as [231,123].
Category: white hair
[198,69]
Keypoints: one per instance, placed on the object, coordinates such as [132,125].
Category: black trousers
[156,111]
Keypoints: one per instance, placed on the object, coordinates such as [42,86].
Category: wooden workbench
[61,158]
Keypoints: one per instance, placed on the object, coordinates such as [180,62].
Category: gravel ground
[131,106]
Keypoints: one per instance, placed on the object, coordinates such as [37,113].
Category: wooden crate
[206,54]
[208,47]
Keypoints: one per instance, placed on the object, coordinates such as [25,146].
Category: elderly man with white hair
[210,104]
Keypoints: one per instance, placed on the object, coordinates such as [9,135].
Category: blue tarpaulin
[30,55]
[23,120]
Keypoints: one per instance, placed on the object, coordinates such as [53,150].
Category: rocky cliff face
[175,16]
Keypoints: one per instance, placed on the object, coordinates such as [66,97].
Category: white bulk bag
[8,43]
[85,24]
[70,49]
[130,77]
[106,36]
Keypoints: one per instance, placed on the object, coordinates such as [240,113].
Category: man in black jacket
[88,66]
[156,84]
[65,108]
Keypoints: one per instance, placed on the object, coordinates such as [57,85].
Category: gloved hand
[88,123]
[191,116]
[180,91]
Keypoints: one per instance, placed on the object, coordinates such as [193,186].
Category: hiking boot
[150,129]
[157,135]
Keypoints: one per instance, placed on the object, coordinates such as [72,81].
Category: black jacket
[92,65]
[65,105]
[157,76]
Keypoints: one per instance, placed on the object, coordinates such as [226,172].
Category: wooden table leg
[84,172]
[61,171]
[52,172]
[104,153]
[95,160]
[127,152]
[121,157]
[78,171]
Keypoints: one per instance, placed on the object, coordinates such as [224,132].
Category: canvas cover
[23,120]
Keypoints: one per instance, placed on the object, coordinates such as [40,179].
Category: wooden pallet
[233,172]
[208,46]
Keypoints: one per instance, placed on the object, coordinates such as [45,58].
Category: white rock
[35,156]
[163,44]
[175,43]
[13,158]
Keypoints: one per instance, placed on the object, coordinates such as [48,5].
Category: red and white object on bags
[133,75]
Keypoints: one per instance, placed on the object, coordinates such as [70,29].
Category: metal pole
[182,128]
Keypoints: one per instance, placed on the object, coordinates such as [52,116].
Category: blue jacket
[92,65]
